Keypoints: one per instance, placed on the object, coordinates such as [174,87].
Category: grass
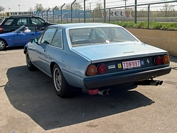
[144,25]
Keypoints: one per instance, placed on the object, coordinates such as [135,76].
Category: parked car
[19,37]
[14,22]
[95,58]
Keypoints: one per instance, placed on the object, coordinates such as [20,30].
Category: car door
[22,37]
[39,23]
[41,48]
[56,48]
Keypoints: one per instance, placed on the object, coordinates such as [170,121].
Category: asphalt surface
[28,104]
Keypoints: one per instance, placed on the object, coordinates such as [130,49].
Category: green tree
[168,9]
[76,6]
[30,9]
[39,7]
[1,8]
[97,10]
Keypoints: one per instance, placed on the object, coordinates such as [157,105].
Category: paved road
[28,104]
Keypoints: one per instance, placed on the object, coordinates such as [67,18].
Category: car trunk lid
[116,51]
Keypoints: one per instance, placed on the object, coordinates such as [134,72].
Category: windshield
[99,35]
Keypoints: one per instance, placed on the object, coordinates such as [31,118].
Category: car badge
[148,61]
[119,65]
[111,66]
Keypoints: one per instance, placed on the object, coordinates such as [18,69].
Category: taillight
[102,68]
[96,69]
[158,60]
[166,59]
[91,70]
[1,29]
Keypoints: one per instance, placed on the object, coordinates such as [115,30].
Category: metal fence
[151,12]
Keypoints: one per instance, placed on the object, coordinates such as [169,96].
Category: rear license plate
[131,64]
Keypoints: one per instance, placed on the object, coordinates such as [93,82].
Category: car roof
[23,16]
[79,25]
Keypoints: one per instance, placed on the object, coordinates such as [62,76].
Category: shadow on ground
[33,93]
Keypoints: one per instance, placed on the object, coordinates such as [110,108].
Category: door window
[37,21]
[22,21]
[47,36]
[57,40]
[9,22]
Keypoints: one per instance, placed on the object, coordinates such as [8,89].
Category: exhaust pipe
[150,82]
[109,91]
[102,92]
[160,82]
[105,92]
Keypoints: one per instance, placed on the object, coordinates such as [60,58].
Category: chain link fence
[80,11]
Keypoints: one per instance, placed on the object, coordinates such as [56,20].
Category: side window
[9,22]
[37,21]
[57,40]
[22,21]
[47,36]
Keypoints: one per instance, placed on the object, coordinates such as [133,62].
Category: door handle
[44,50]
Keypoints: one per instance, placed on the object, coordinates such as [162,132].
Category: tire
[2,44]
[62,88]
[29,63]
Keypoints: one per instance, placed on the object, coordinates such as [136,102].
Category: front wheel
[2,44]
[62,88]
[29,63]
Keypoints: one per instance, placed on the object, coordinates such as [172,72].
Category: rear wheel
[62,88]
[2,44]
[29,63]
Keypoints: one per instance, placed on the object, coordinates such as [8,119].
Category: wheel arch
[51,67]
[4,41]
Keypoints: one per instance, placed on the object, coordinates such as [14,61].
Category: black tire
[62,88]
[29,63]
[2,44]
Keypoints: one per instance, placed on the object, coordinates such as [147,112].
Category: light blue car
[19,37]
[96,58]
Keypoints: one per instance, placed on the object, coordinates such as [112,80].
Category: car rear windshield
[9,21]
[99,35]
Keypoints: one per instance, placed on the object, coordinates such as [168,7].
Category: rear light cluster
[1,29]
[159,60]
[100,68]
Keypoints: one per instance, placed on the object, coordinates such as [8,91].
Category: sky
[25,5]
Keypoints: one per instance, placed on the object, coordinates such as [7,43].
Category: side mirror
[42,28]
[34,40]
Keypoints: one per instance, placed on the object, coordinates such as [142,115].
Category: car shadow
[13,48]
[173,59]
[33,94]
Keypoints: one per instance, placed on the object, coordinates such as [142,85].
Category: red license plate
[131,64]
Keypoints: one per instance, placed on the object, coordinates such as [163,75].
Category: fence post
[84,12]
[42,13]
[135,11]
[109,15]
[47,13]
[104,11]
[62,11]
[93,15]
[72,10]
[148,16]
[53,12]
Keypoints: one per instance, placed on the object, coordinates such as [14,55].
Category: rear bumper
[108,80]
